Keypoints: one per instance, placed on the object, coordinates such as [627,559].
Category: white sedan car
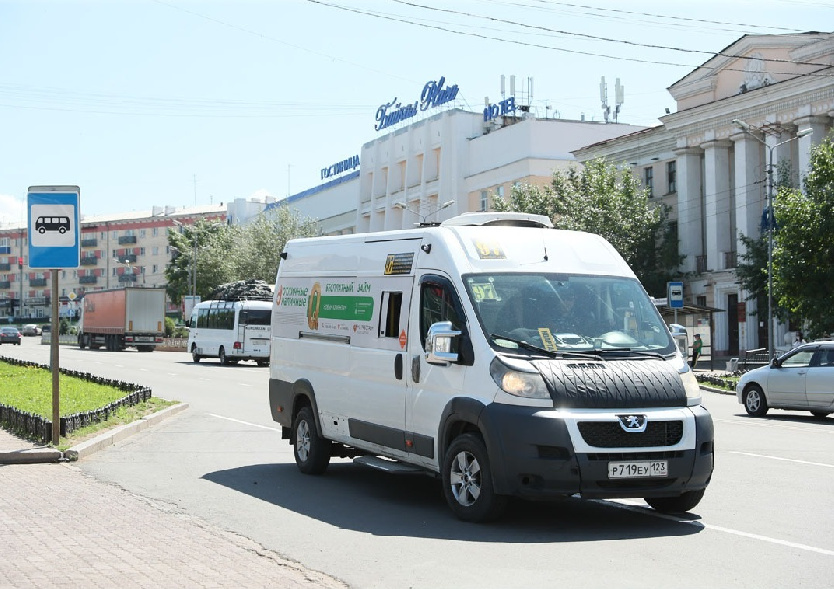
[801,380]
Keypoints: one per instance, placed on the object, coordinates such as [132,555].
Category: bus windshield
[567,312]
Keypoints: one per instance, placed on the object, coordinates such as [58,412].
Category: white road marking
[275,429]
[640,508]
[823,464]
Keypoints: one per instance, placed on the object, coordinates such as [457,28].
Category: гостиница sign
[434,94]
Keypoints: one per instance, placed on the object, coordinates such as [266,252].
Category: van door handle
[398,366]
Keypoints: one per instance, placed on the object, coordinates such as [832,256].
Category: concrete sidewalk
[63,528]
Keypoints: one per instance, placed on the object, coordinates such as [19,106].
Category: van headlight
[690,386]
[518,379]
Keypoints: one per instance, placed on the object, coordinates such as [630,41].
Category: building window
[155,269]
[500,191]
[155,250]
[701,300]
[672,176]
[155,231]
[648,180]
[4,242]
[484,200]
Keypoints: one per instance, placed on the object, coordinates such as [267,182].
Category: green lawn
[29,389]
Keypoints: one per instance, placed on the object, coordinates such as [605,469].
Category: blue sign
[499,110]
[350,163]
[54,228]
[674,294]
[434,94]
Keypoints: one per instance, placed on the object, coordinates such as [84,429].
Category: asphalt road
[766,519]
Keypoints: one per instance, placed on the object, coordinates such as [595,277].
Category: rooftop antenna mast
[603,96]
[619,93]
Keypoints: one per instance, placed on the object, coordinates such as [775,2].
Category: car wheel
[681,503]
[222,355]
[467,481]
[821,414]
[755,402]
[194,355]
[312,453]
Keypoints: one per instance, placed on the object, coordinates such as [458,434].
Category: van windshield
[567,312]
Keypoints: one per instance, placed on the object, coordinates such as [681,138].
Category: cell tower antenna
[603,96]
[619,94]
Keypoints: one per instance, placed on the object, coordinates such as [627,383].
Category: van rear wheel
[467,481]
[194,355]
[312,453]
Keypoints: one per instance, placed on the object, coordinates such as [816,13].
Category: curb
[109,438]
[31,456]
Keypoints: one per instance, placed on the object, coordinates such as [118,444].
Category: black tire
[312,452]
[680,504]
[194,355]
[467,481]
[82,341]
[222,355]
[820,414]
[263,362]
[755,402]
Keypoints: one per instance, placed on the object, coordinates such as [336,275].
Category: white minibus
[231,331]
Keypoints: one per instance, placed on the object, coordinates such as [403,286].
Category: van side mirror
[775,363]
[439,343]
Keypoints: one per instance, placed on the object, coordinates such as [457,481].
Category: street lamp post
[771,217]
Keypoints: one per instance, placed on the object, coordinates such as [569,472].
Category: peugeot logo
[633,423]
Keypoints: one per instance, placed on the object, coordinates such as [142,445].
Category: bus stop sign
[674,294]
[54,229]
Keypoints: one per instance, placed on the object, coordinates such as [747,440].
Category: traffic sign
[674,294]
[54,228]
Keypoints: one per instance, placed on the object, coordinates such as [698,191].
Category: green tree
[803,254]
[599,198]
[259,244]
[207,243]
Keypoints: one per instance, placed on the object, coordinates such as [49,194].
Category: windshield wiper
[631,354]
[551,353]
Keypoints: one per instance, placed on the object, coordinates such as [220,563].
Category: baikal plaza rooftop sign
[434,95]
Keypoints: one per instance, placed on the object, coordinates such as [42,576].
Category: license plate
[638,469]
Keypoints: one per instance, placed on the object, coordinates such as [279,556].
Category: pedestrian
[799,340]
[696,349]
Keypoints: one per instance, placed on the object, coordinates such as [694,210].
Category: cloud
[12,211]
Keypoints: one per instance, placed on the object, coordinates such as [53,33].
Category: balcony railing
[89,243]
[127,258]
[37,282]
[89,261]
[5,267]
[127,278]
[5,284]
[127,239]
[729,260]
[87,279]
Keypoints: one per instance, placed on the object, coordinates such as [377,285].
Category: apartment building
[116,250]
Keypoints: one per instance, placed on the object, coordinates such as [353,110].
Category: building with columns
[758,105]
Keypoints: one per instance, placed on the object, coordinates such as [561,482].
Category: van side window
[393,302]
[437,303]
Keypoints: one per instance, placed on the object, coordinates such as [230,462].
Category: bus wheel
[222,356]
[194,355]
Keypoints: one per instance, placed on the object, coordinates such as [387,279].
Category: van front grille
[609,434]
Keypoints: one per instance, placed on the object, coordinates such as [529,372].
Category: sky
[185,102]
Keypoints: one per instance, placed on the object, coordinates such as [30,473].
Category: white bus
[231,331]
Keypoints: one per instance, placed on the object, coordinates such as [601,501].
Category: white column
[750,187]
[688,166]
[719,232]
[818,127]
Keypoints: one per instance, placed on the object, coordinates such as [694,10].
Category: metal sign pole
[53,362]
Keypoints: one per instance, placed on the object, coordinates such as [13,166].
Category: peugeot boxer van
[500,355]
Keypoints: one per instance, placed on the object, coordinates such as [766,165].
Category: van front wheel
[312,453]
[467,481]
[680,504]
